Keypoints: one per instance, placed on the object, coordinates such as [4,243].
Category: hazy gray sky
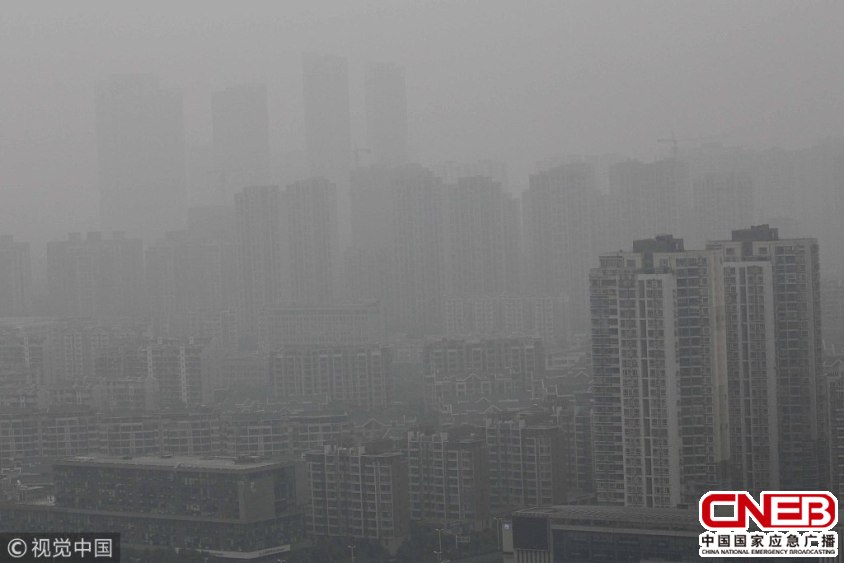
[486,79]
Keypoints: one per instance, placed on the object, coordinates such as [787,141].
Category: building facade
[15,277]
[231,510]
[359,376]
[448,479]
[358,494]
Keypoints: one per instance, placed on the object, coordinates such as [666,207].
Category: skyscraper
[310,212]
[240,132]
[659,374]
[141,156]
[417,238]
[707,369]
[513,243]
[773,295]
[559,209]
[15,277]
[325,81]
[368,259]
[475,231]
[261,255]
[386,113]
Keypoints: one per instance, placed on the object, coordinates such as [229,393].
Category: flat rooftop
[616,517]
[175,463]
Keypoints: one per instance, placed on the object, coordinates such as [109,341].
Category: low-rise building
[229,509]
[583,534]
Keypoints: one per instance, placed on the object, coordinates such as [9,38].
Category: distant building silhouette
[475,238]
[357,376]
[263,279]
[15,277]
[310,216]
[98,277]
[417,238]
[559,210]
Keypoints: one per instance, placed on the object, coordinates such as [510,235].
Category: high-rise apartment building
[520,359]
[141,156]
[310,214]
[174,372]
[706,368]
[15,277]
[386,113]
[96,277]
[355,493]
[835,425]
[451,171]
[832,308]
[659,374]
[475,238]
[448,479]
[368,259]
[774,314]
[261,255]
[526,461]
[359,376]
[418,253]
[559,210]
[240,140]
[513,246]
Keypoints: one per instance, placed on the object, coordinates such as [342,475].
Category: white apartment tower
[774,330]
[659,374]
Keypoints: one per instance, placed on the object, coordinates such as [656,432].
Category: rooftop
[175,462]
[617,516]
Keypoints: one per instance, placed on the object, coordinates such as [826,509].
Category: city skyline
[419,281]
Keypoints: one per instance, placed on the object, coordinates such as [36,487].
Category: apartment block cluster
[31,436]
[362,479]
[53,363]
[707,369]
[265,354]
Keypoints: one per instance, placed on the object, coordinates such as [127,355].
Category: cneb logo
[776,510]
